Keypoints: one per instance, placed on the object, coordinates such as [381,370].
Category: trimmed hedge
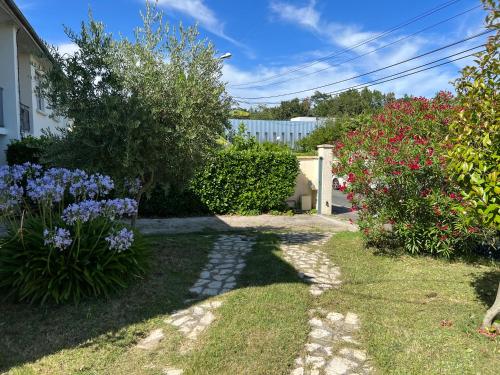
[246,181]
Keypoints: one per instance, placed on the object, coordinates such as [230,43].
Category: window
[1,107]
[300,136]
[40,102]
[291,139]
[265,137]
[257,136]
[283,137]
[274,137]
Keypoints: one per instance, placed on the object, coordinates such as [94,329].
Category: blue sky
[268,38]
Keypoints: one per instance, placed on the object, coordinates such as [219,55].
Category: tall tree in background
[149,109]
[351,102]
[475,157]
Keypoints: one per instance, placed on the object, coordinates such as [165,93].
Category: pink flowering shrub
[396,178]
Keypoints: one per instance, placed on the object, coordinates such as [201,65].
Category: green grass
[262,325]
[259,329]
[402,301]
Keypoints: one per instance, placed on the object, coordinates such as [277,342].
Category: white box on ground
[305,202]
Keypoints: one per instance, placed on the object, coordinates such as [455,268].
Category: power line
[364,54]
[397,75]
[350,48]
[371,72]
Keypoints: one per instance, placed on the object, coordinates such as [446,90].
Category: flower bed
[65,240]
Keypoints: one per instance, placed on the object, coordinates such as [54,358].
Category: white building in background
[23,57]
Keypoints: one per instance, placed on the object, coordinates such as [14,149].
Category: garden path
[331,349]
[301,222]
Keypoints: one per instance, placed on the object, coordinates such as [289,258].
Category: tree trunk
[492,312]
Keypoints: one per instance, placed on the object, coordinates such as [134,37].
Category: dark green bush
[28,149]
[172,202]
[249,180]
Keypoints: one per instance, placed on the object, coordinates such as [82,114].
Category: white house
[22,58]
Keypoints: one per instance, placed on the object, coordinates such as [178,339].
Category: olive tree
[148,108]
[475,157]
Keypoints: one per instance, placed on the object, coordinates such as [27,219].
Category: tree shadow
[29,333]
[485,285]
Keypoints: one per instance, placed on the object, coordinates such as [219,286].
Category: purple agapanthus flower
[82,212]
[45,189]
[117,208]
[92,186]
[121,240]
[59,238]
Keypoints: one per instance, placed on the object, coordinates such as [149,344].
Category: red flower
[414,166]
[350,196]
[397,173]
[428,162]
[351,177]
[453,196]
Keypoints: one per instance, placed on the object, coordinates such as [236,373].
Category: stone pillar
[10,87]
[325,201]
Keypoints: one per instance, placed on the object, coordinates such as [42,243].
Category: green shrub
[251,180]
[172,202]
[28,149]
[331,131]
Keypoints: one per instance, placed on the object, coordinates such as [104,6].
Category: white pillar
[9,83]
[326,159]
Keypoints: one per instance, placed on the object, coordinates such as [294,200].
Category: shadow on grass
[485,286]
[28,333]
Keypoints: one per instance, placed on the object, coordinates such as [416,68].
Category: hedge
[28,149]
[247,181]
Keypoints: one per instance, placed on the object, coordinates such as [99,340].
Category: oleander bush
[396,177]
[65,241]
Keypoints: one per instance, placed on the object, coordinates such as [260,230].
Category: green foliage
[150,108]
[249,180]
[474,161]
[174,201]
[331,131]
[284,111]
[32,272]
[28,149]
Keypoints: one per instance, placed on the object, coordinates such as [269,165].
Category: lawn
[262,325]
[419,314]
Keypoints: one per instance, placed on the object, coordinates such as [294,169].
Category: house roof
[28,28]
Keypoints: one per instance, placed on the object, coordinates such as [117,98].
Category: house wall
[307,179]
[41,119]
[8,82]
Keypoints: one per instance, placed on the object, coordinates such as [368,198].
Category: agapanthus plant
[66,238]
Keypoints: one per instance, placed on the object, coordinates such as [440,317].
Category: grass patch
[95,336]
[259,329]
[402,303]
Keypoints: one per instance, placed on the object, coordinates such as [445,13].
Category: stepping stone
[357,354]
[152,340]
[339,366]
[172,371]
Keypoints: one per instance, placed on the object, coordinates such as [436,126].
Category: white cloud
[203,14]
[309,18]
[67,48]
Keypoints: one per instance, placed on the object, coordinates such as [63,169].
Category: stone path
[226,261]
[330,348]
[300,222]
[300,249]
[194,320]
